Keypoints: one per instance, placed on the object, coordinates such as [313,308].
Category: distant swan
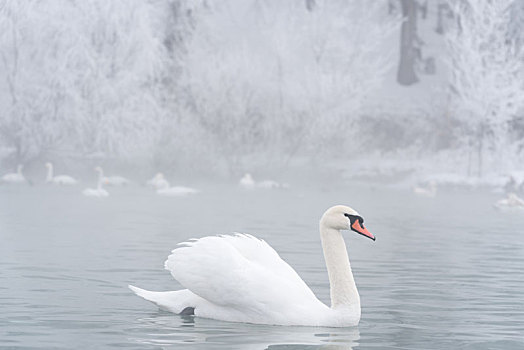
[428,191]
[511,201]
[158,182]
[176,191]
[15,178]
[241,278]
[60,179]
[249,183]
[98,191]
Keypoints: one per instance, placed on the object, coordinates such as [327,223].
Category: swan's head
[159,176]
[48,165]
[341,217]
[98,169]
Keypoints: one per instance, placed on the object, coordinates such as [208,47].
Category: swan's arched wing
[238,271]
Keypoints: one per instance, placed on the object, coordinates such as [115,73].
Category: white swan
[158,182]
[60,179]
[249,183]
[240,278]
[15,178]
[98,191]
[511,201]
[176,191]
[429,191]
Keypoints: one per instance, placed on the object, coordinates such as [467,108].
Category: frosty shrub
[280,77]
[487,74]
[80,78]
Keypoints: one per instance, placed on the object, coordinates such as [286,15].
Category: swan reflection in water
[173,332]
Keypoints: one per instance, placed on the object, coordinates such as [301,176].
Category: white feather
[174,301]
[236,278]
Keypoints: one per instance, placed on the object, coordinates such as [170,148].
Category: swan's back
[243,273]
[64,180]
[13,178]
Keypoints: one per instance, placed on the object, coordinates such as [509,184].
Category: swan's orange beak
[362,230]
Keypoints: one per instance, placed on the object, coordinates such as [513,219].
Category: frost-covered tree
[30,98]
[81,77]
[486,72]
[516,25]
[409,43]
[122,68]
[266,75]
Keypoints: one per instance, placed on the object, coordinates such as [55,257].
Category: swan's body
[95,192]
[115,181]
[270,184]
[511,201]
[60,179]
[158,182]
[428,191]
[15,178]
[98,191]
[176,191]
[240,278]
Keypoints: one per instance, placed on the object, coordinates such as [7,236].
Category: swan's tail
[175,301]
[150,296]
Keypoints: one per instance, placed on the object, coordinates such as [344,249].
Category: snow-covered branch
[487,65]
[266,73]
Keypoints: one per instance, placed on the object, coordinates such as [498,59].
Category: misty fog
[217,89]
[130,126]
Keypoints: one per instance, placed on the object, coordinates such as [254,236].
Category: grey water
[444,272]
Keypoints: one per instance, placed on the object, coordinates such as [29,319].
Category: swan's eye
[353,218]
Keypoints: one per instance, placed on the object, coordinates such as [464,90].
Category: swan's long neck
[343,289]
[49,173]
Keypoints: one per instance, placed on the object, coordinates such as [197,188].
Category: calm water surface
[446,272]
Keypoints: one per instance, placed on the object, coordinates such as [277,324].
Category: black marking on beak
[357,225]
[352,218]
